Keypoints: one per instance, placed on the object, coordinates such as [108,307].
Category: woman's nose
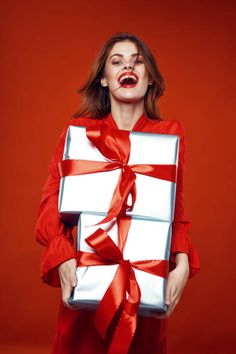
[128,66]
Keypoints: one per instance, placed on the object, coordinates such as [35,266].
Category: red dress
[76,333]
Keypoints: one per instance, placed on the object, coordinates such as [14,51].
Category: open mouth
[128,79]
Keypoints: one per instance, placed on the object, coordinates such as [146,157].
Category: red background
[47,51]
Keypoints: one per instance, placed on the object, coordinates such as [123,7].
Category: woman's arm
[49,230]
[184,261]
[181,242]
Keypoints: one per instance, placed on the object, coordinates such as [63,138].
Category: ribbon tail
[111,300]
[127,323]
[124,334]
[125,185]
[126,206]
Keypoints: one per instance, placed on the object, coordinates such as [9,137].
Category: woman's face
[125,73]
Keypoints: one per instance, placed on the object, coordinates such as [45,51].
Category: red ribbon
[115,146]
[124,282]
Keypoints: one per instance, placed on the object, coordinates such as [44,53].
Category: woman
[121,92]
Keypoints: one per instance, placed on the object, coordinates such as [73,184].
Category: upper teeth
[128,77]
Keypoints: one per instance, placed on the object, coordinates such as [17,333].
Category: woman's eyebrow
[121,55]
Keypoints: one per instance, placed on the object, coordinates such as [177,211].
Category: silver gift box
[92,193]
[147,240]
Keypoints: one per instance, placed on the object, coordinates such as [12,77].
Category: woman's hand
[176,282]
[67,273]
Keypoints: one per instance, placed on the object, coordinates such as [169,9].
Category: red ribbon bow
[115,146]
[124,282]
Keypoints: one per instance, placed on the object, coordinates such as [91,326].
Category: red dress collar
[137,127]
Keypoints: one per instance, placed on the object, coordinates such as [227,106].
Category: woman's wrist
[181,259]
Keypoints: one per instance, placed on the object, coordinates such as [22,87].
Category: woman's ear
[103,82]
[150,81]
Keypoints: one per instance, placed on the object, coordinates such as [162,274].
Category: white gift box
[92,193]
[147,240]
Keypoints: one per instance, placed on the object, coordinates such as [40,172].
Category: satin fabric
[76,333]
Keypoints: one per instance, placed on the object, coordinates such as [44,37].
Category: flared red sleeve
[49,230]
[181,242]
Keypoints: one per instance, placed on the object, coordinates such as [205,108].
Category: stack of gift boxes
[102,173]
[120,188]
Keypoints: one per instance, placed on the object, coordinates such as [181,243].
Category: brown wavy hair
[95,99]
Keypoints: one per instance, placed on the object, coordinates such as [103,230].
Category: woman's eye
[116,62]
[138,61]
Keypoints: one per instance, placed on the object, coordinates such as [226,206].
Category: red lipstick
[128,79]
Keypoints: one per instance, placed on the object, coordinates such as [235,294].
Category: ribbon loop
[115,147]
[104,246]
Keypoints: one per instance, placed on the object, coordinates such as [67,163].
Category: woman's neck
[126,114]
